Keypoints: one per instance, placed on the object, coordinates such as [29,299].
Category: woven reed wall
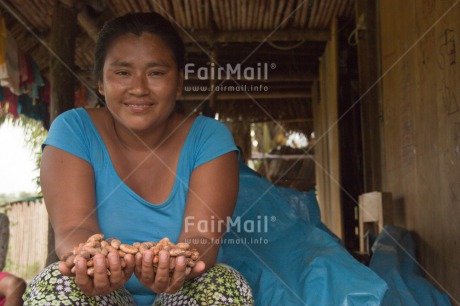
[28,238]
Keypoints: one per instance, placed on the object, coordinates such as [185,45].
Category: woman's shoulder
[209,124]
[76,115]
[210,131]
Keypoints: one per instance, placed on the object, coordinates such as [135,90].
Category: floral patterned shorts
[220,285]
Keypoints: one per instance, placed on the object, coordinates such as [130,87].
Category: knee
[224,277]
[12,285]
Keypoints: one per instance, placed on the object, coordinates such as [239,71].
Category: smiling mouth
[138,107]
[138,104]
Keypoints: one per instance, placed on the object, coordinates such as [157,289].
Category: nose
[139,85]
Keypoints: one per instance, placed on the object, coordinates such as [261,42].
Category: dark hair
[137,23]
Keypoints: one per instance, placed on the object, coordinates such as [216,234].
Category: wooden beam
[88,24]
[62,43]
[369,72]
[288,77]
[243,96]
[213,81]
[256,36]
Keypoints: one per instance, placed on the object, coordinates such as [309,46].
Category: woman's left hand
[162,281]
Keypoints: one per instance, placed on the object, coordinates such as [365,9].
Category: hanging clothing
[24,88]
[31,108]
[38,81]
[10,102]
[30,71]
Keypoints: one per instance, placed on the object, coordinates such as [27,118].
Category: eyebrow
[118,63]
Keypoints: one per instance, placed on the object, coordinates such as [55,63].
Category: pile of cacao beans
[97,245]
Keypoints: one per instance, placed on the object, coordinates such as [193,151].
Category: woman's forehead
[136,47]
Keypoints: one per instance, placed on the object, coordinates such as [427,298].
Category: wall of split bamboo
[28,238]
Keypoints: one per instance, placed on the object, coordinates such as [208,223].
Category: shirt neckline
[122,184]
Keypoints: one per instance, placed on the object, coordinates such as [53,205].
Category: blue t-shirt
[121,212]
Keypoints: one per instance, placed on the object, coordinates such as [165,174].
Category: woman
[136,170]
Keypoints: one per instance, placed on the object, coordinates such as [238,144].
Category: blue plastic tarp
[277,241]
[394,261]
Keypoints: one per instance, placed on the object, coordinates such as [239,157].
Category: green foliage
[12,197]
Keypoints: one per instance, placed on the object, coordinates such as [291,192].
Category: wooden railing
[28,243]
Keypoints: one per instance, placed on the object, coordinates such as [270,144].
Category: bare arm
[211,199]
[12,288]
[68,188]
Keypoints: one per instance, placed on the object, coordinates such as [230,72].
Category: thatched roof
[288,35]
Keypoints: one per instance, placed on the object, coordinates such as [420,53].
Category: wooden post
[327,150]
[213,80]
[369,72]
[62,60]
[62,80]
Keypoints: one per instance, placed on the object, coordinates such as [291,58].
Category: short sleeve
[214,140]
[67,133]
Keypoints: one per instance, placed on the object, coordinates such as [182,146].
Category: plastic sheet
[277,241]
[393,260]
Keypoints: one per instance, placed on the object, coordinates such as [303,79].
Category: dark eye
[156,73]
[122,73]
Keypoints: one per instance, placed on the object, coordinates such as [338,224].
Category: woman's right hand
[101,283]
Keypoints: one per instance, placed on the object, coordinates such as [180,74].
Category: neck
[147,141]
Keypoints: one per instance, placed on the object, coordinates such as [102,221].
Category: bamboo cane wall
[421,101]
[28,243]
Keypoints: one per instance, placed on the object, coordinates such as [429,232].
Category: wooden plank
[227,13]
[255,14]
[369,72]
[333,131]
[317,16]
[188,18]
[288,14]
[326,137]
[261,15]
[279,14]
[313,12]
[234,13]
[422,129]
[251,95]
[223,18]
[215,14]
[197,21]
[322,21]
[271,15]
[242,12]
[299,6]
[293,35]
[304,16]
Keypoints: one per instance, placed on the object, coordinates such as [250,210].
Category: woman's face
[140,81]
